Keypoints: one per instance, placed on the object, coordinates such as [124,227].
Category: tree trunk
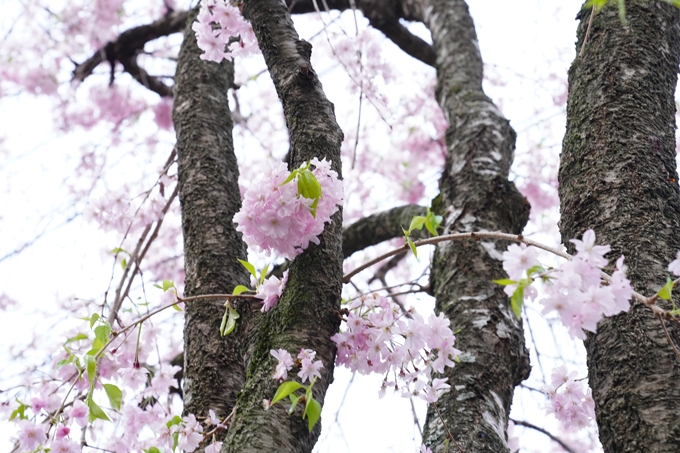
[308,313]
[209,196]
[618,176]
[475,196]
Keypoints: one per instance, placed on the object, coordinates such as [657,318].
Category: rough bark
[307,314]
[209,196]
[618,177]
[475,196]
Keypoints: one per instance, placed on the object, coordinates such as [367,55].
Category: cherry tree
[293,242]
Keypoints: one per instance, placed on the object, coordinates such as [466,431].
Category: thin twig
[668,337]
[446,427]
[543,431]
[585,40]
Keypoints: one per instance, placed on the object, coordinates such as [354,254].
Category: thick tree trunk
[475,196]
[209,196]
[618,176]
[308,313]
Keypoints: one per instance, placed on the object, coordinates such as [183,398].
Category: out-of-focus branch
[380,227]
[383,15]
[129,44]
[546,432]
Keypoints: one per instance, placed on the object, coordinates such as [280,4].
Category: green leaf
[95,411]
[285,389]
[432,222]
[103,332]
[152,450]
[80,336]
[313,412]
[667,290]
[417,223]
[263,274]
[229,321]
[240,289]
[167,284]
[123,263]
[91,366]
[93,319]
[114,394]
[290,177]
[517,300]
[176,420]
[505,282]
[598,4]
[535,270]
[412,245]
[294,399]
[308,186]
[118,250]
[176,308]
[18,412]
[675,312]
[250,268]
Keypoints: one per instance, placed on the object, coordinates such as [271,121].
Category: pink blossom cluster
[276,218]
[309,368]
[380,338]
[575,289]
[270,290]
[570,400]
[218,26]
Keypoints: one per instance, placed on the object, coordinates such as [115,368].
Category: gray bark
[209,196]
[618,177]
[307,314]
[475,196]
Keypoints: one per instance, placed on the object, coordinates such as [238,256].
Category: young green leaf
[290,177]
[123,263]
[152,450]
[240,289]
[294,399]
[535,270]
[103,332]
[95,411]
[313,412]
[250,268]
[118,250]
[114,394]
[308,186]
[176,307]
[417,223]
[18,412]
[517,300]
[176,420]
[93,319]
[167,284]
[412,246]
[505,282]
[263,274]
[229,325]
[666,291]
[91,366]
[285,389]
[80,336]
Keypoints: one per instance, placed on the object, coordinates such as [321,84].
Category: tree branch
[383,15]
[546,432]
[129,44]
[379,227]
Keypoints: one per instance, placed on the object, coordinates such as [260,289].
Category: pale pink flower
[214,447]
[30,435]
[270,291]
[518,258]
[64,445]
[589,251]
[190,434]
[674,266]
[284,365]
[309,369]
[78,413]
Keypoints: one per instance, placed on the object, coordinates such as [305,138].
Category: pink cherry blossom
[518,258]
[284,365]
[309,369]
[589,251]
[30,435]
